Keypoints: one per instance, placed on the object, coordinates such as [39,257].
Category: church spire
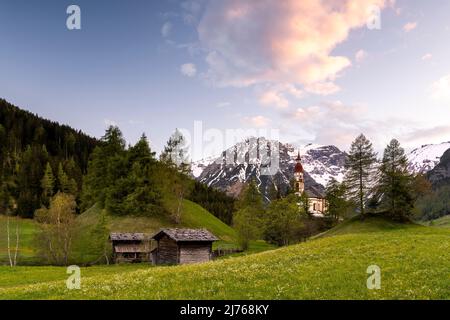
[298,166]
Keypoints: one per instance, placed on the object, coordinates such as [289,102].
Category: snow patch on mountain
[321,163]
[425,158]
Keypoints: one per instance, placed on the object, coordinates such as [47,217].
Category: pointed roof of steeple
[298,165]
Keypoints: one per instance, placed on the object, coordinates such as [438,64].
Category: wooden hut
[182,246]
[130,247]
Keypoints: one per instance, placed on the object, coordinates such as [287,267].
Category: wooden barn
[182,246]
[130,247]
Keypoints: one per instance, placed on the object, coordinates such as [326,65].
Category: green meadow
[414,262]
[193,216]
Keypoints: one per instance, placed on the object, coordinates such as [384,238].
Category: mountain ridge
[321,163]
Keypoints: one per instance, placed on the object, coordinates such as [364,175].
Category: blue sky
[311,69]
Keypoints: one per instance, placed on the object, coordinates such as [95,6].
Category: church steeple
[299,184]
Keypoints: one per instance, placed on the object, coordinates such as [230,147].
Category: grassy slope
[443,222]
[414,261]
[193,216]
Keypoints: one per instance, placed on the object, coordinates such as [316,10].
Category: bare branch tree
[17,243]
[9,241]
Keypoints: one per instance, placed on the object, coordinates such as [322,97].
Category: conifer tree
[175,153]
[63,180]
[47,184]
[106,168]
[396,184]
[360,168]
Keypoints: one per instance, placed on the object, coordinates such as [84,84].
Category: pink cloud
[322,88]
[289,41]
[410,26]
[360,55]
[276,96]
[427,56]
[273,98]
[256,121]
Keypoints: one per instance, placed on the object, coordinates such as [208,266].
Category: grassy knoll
[85,249]
[414,262]
[443,222]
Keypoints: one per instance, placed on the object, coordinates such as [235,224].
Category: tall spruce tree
[65,184]
[360,169]
[396,184]
[144,195]
[106,167]
[175,153]
[47,184]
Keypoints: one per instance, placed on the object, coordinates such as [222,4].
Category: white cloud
[440,89]
[188,69]
[426,135]
[322,88]
[277,95]
[166,29]
[427,56]
[256,121]
[263,42]
[360,56]
[191,10]
[410,26]
[334,122]
[273,98]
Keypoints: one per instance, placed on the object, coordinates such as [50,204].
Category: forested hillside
[39,158]
[31,148]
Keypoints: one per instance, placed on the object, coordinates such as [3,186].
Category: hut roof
[131,249]
[115,236]
[186,235]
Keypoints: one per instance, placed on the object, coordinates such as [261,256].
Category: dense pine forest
[39,158]
[31,147]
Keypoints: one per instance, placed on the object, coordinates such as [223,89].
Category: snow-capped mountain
[440,174]
[245,161]
[425,158]
[321,162]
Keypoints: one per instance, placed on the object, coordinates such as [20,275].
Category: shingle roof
[131,249]
[128,236]
[187,234]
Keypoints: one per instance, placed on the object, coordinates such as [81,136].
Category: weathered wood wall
[167,251]
[194,252]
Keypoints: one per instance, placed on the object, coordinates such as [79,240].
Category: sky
[301,71]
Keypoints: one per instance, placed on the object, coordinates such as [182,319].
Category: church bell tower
[299,183]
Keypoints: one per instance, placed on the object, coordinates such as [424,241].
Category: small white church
[317,202]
